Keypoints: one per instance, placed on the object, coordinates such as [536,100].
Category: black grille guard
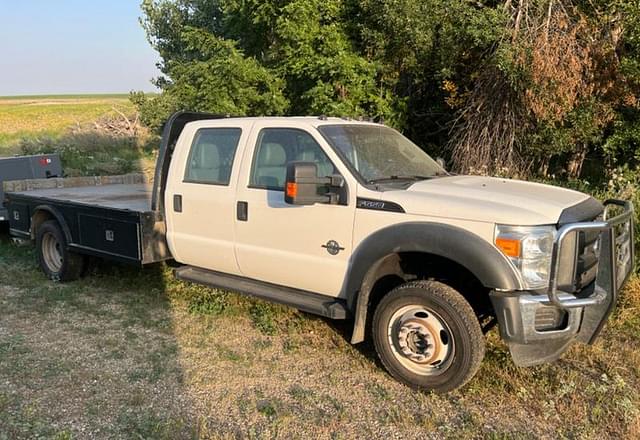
[616,260]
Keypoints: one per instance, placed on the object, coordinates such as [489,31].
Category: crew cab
[351,220]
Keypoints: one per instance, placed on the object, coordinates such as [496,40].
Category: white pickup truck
[350,220]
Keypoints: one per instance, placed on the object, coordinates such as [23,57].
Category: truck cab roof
[293,121]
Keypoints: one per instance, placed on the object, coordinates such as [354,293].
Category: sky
[73,47]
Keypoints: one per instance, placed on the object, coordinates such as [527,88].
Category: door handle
[177,203]
[242,211]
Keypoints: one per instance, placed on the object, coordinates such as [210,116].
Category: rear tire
[427,336]
[55,259]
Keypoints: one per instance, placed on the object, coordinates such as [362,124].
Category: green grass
[42,125]
[37,117]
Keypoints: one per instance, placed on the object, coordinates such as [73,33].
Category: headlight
[529,249]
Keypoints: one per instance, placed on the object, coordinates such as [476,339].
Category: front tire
[427,336]
[54,257]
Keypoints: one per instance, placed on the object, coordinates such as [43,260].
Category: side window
[278,146]
[211,157]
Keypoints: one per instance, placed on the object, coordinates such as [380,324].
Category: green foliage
[259,58]
[205,71]
[263,316]
[323,71]
[208,302]
[413,63]
[623,145]
[154,110]
[89,153]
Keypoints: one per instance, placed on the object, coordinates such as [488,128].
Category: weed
[266,408]
[300,393]
[209,302]
[272,408]
[290,345]
[14,345]
[378,391]
[24,422]
[263,318]
[63,435]
[228,354]
[262,344]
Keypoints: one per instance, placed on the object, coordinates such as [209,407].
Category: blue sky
[73,46]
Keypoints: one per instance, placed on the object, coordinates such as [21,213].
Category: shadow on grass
[96,357]
[108,342]
[93,358]
[344,328]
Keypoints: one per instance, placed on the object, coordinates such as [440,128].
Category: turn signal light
[292,189]
[510,247]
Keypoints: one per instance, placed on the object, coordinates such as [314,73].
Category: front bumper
[539,326]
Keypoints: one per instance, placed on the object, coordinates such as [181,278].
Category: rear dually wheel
[55,259]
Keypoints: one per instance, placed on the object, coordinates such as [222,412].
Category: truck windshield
[381,154]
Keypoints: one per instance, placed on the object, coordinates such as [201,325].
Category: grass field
[51,116]
[64,125]
[128,353]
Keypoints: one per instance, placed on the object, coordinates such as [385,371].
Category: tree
[259,57]
[509,86]
[551,89]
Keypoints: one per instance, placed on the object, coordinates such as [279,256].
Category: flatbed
[126,197]
[120,218]
[104,217]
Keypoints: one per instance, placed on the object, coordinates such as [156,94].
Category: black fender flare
[478,256]
[56,215]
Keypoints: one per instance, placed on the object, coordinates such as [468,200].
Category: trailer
[42,166]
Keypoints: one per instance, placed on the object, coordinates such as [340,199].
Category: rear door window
[212,154]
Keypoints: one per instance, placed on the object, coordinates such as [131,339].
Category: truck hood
[487,199]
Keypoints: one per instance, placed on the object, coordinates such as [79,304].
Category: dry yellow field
[27,117]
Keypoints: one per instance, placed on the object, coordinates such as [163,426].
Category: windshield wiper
[399,177]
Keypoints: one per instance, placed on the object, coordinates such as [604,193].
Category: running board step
[300,299]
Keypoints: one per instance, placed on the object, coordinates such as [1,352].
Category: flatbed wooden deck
[126,197]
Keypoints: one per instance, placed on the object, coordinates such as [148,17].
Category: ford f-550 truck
[351,220]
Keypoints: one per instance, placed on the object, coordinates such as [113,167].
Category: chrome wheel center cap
[416,341]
